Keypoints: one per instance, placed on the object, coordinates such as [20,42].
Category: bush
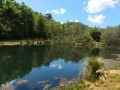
[83,38]
[77,86]
[92,67]
[111,36]
[95,34]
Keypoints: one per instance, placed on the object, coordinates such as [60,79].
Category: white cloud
[53,65]
[62,11]
[55,11]
[47,12]
[98,19]
[60,66]
[95,6]
[76,21]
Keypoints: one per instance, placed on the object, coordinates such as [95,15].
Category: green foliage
[92,67]
[72,32]
[52,29]
[40,26]
[83,38]
[18,21]
[48,16]
[111,36]
[77,86]
[119,88]
[95,34]
[94,52]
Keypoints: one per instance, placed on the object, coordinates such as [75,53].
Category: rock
[7,88]
[96,84]
[21,82]
[100,71]
[61,85]
[46,86]
[102,74]
[40,82]
[114,71]
[110,63]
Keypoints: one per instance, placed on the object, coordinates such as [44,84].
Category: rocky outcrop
[102,73]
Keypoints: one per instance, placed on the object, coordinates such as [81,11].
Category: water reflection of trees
[18,61]
[110,53]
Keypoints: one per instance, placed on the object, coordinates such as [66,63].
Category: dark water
[48,64]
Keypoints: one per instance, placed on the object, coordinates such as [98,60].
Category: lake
[47,67]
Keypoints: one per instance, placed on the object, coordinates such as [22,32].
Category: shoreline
[46,42]
[24,42]
[110,80]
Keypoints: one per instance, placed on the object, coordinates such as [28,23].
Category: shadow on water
[17,61]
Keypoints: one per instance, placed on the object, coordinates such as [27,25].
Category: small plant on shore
[119,88]
[92,67]
[77,86]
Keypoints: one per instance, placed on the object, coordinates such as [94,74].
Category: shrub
[92,67]
[95,34]
[111,36]
[83,38]
[77,86]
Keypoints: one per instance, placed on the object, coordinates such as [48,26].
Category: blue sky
[99,13]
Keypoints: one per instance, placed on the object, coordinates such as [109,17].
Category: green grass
[92,67]
[119,88]
[77,86]
[99,44]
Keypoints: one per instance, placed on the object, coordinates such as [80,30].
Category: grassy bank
[17,42]
[91,44]
[24,42]
[110,78]
[111,83]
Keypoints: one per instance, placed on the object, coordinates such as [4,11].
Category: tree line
[18,22]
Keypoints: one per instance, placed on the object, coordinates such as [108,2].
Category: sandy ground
[112,82]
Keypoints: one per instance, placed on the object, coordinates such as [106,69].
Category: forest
[19,22]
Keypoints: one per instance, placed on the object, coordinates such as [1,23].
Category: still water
[46,67]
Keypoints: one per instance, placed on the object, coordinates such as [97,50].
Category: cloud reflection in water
[59,66]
